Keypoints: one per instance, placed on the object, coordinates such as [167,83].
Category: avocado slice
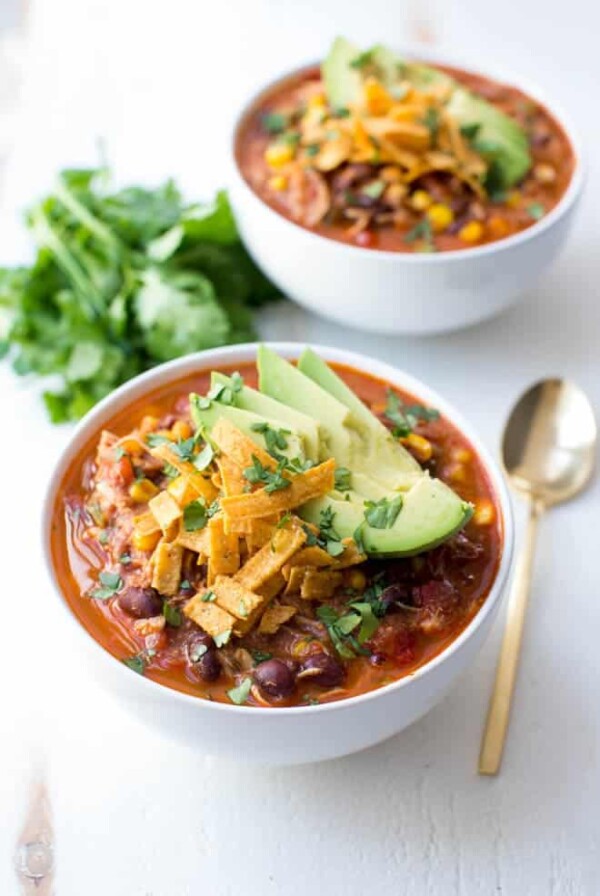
[285,383]
[206,418]
[249,399]
[504,139]
[385,451]
[431,512]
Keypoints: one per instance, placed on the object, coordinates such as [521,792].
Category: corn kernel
[498,226]
[278,183]
[356,579]
[303,647]
[514,199]
[484,514]
[142,490]
[145,541]
[131,446]
[148,424]
[544,174]
[419,445]
[461,455]
[317,101]
[377,98]
[420,200]
[278,154]
[440,216]
[181,429]
[471,232]
[457,473]
[394,194]
[182,490]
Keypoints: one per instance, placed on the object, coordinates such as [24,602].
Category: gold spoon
[548,452]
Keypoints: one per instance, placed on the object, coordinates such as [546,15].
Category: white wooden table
[135,815]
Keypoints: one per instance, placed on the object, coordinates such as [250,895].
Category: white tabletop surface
[135,815]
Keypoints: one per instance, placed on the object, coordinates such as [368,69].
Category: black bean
[140,602]
[203,657]
[197,645]
[274,678]
[322,669]
[209,666]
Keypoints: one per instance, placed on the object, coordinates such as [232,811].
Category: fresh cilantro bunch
[122,281]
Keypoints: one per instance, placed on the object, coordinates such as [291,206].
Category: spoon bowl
[549,443]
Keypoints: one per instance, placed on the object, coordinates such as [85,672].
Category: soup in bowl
[249,542]
[404,165]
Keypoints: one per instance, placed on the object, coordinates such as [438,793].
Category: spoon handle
[492,744]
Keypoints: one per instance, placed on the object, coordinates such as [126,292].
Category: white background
[137,816]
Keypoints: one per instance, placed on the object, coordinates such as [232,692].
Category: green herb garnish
[421,231]
[343,479]
[431,120]
[275,439]
[209,598]
[374,189]
[536,210]
[172,614]
[260,656]
[273,480]
[204,457]
[125,559]
[124,280]
[274,122]
[136,663]
[382,514]
[406,416]
[312,149]
[240,694]
[341,628]
[195,515]
[362,60]
[111,583]
[222,638]
[470,131]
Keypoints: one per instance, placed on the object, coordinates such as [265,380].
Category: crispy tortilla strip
[296,579]
[198,541]
[223,550]
[351,556]
[166,562]
[232,478]
[183,490]
[274,617]
[312,556]
[261,528]
[203,485]
[165,510]
[319,584]
[245,605]
[233,443]
[215,621]
[305,486]
[261,531]
[275,584]
[269,560]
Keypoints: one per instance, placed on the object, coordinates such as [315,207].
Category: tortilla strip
[203,486]
[183,490]
[223,550]
[145,524]
[274,617]
[275,584]
[270,559]
[165,510]
[351,556]
[239,447]
[166,562]
[238,601]
[296,579]
[312,556]
[319,584]
[305,486]
[232,478]
[198,541]
[215,621]
[261,528]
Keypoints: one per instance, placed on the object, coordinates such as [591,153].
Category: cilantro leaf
[195,515]
[406,416]
[111,583]
[343,479]
[382,514]
[240,694]
[172,614]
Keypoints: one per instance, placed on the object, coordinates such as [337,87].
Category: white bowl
[296,734]
[395,292]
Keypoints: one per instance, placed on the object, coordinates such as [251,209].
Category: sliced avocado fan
[499,138]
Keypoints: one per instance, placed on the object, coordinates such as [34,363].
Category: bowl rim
[499,73]
[243,352]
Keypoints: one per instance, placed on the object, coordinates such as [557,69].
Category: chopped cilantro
[343,479]
[495,183]
[275,439]
[172,614]
[362,60]
[421,231]
[374,189]
[296,465]
[382,514]
[274,122]
[312,149]
[285,519]
[470,131]
[406,416]
[103,536]
[195,515]
[273,480]
[185,448]
[185,585]
[221,638]
[209,597]
[431,121]
[341,627]
[242,608]
[120,452]
[197,651]
[536,210]
[260,656]
[111,583]
[341,112]
[136,663]
[125,559]
[170,471]
[240,694]
[358,537]
[291,138]
[153,439]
